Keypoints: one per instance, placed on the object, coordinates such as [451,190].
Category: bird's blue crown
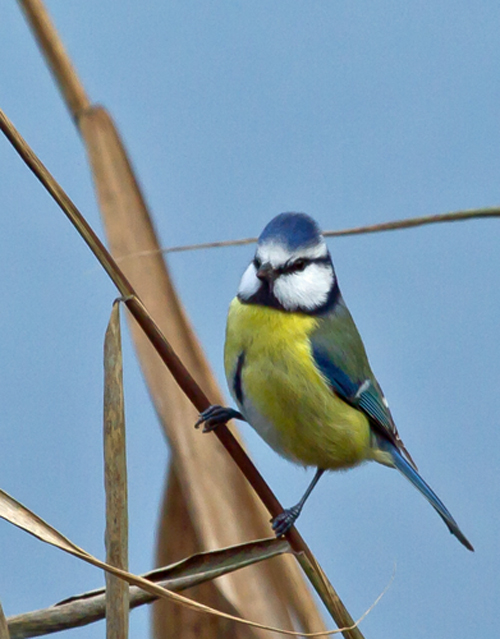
[292,230]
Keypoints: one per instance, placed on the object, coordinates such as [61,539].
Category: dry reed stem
[163,348]
[115,480]
[176,367]
[183,378]
[303,603]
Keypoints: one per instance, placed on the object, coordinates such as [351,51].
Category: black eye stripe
[321,260]
[301,263]
[297,266]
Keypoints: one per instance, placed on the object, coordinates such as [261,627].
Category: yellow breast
[285,397]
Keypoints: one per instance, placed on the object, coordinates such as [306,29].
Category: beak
[266,273]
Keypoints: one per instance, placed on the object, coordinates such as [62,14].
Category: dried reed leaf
[171,545]
[115,480]
[204,566]
[89,607]
[17,514]
[4,629]
[212,508]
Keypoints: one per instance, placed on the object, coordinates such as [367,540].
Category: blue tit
[297,368]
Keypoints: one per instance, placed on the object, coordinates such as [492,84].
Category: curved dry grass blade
[14,512]
[115,480]
[89,607]
[17,514]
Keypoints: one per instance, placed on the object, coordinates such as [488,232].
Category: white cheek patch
[250,283]
[307,289]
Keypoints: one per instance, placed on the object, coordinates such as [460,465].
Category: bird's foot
[284,521]
[215,416]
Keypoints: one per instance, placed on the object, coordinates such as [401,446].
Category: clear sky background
[354,112]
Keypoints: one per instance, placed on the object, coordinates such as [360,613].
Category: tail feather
[412,475]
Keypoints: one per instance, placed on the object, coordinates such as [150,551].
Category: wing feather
[339,354]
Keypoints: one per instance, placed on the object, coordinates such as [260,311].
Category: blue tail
[412,475]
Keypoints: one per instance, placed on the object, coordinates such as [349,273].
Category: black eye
[299,265]
[257,263]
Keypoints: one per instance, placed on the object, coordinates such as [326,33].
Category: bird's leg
[285,520]
[215,416]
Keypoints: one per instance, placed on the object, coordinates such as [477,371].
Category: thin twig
[396,225]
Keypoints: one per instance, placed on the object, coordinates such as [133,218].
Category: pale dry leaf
[81,610]
[204,566]
[17,514]
[215,506]
[210,501]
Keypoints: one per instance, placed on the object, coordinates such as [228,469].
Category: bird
[298,371]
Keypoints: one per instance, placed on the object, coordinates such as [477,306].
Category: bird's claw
[282,523]
[214,416]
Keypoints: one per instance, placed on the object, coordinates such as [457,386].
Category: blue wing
[364,394]
[339,354]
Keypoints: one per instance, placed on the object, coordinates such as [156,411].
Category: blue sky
[232,112]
